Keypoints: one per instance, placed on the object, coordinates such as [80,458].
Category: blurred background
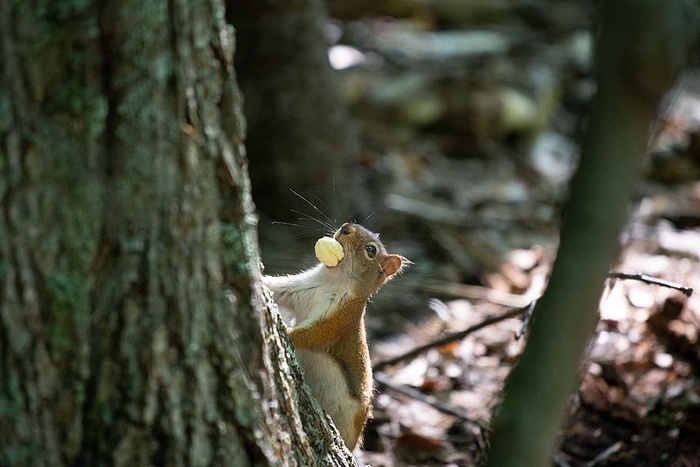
[451,127]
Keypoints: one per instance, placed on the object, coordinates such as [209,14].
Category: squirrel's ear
[394,264]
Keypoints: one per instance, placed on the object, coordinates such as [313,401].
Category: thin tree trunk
[642,45]
[133,330]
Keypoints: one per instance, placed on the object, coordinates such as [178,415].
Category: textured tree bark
[300,136]
[133,329]
[642,46]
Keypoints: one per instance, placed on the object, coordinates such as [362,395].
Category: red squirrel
[327,306]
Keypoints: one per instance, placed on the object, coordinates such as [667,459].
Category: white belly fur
[328,384]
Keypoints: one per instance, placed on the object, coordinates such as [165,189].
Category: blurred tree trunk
[642,45]
[133,329]
[299,135]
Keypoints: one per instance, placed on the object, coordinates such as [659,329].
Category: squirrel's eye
[371,250]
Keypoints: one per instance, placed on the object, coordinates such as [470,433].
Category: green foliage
[665,417]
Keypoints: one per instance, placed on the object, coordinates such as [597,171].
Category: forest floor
[468,142]
[638,402]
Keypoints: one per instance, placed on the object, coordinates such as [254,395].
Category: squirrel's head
[366,262]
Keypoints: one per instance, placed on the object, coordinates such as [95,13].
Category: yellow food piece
[329,251]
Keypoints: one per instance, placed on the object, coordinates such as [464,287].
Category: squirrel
[327,308]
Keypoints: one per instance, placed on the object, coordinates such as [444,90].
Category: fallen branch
[512,313]
[638,276]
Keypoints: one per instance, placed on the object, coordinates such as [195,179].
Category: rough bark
[642,45]
[299,133]
[133,330]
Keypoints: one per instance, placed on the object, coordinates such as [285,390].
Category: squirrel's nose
[347,229]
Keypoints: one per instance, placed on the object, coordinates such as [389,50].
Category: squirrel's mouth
[345,251]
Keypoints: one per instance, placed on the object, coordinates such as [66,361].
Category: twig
[604,457]
[527,319]
[512,313]
[419,396]
[638,276]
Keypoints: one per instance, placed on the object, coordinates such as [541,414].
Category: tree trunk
[300,136]
[133,329]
